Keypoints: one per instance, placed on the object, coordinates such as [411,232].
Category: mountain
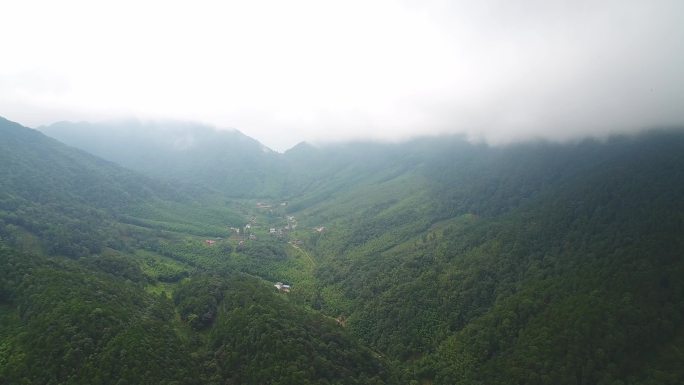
[60,200]
[533,263]
[184,153]
[434,261]
[108,278]
[222,161]
[64,196]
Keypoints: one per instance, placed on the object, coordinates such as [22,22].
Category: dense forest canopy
[433,261]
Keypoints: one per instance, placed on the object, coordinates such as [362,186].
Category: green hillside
[115,284]
[66,322]
[528,264]
[60,200]
[433,261]
[191,155]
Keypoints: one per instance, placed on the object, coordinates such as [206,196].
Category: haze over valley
[282,73]
[390,192]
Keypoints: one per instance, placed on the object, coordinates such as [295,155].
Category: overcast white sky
[286,71]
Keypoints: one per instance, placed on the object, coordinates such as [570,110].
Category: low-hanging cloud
[283,72]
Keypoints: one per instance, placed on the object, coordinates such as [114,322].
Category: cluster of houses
[281,231]
[242,234]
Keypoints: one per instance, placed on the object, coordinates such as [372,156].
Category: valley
[433,261]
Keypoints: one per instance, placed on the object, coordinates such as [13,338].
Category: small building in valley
[282,287]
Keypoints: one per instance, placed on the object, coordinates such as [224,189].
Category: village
[282,228]
[265,223]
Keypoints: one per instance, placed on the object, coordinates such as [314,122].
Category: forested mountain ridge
[62,194]
[232,163]
[535,263]
[184,153]
[30,152]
